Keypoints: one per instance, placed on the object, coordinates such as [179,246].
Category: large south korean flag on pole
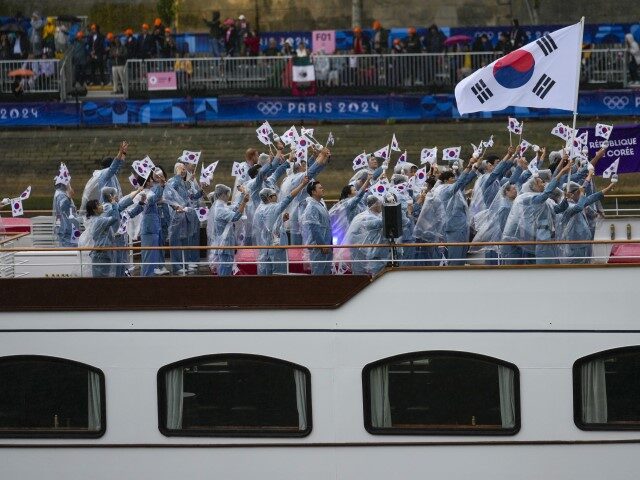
[543,74]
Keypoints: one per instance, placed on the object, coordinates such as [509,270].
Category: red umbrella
[457,39]
[21,72]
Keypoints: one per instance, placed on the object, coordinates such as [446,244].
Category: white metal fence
[19,77]
[382,72]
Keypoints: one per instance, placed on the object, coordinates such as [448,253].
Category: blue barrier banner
[324,108]
[38,114]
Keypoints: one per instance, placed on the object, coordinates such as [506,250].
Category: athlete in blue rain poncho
[151,228]
[67,222]
[194,202]
[316,230]
[531,219]
[456,227]
[488,184]
[119,258]
[342,213]
[366,229]
[268,229]
[490,222]
[221,228]
[99,231]
[297,206]
[184,219]
[106,177]
[257,174]
[430,224]
[573,223]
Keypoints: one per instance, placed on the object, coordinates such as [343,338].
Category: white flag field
[542,74]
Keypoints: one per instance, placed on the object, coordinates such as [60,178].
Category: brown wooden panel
[179,293]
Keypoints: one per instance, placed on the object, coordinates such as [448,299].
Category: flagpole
[575,101]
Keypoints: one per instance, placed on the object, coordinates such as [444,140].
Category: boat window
[606,390]
[234,395]
[52,397]
[441,392]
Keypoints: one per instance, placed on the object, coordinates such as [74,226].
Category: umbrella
[457,39]
[21,72]
[68,18]
[11,27]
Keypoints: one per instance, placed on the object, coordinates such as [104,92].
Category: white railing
[366,259]
[382,72]
[42,76]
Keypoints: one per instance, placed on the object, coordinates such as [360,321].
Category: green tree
[166,11]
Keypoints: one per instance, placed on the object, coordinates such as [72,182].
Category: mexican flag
[303,76]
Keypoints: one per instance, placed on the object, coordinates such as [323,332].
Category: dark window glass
[50,396]
[441,392]
[238,395]
[607,390]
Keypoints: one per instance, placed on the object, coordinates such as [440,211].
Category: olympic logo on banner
[269,108]
[615,103]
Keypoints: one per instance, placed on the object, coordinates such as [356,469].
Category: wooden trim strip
[180,293]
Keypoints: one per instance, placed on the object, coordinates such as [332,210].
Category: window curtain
[301,398]
[93,401]
[507,397]
[174,387]
[594,392]
[380,406]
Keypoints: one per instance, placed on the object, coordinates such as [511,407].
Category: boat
[486,372]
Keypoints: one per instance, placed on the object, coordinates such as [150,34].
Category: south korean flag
[541,74]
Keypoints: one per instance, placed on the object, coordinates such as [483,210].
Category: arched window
[234,395]
[53,397]
[606,390]
[441,392]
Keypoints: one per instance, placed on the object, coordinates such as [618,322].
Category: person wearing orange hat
[130,44]
[97,52]
[79,59]
[146,43]
[360,43]
[169,47]
[380,38]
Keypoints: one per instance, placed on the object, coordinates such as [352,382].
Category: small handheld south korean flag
[611,169]
[451,153]
[202,213]
[402,158]
[562,131]
[523,147]
[26,194]
[290,137]
[420,177]
[360,161]
[533,167]
[264,133]
[124,220]
[190,157]
[207,173]
[477,151]
[133,180]
[542,74]
[428,155]
[16,207]
[379,189]
[75,234]
[514,126]
[330,140]
[603,131]
[143,167]
[382,153]
[394,144]
[237,169]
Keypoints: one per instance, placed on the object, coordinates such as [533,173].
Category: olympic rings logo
[615,103]
[269,108]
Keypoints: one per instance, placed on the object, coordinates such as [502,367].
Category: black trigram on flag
[543,86]
[481,91]
[546,44]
